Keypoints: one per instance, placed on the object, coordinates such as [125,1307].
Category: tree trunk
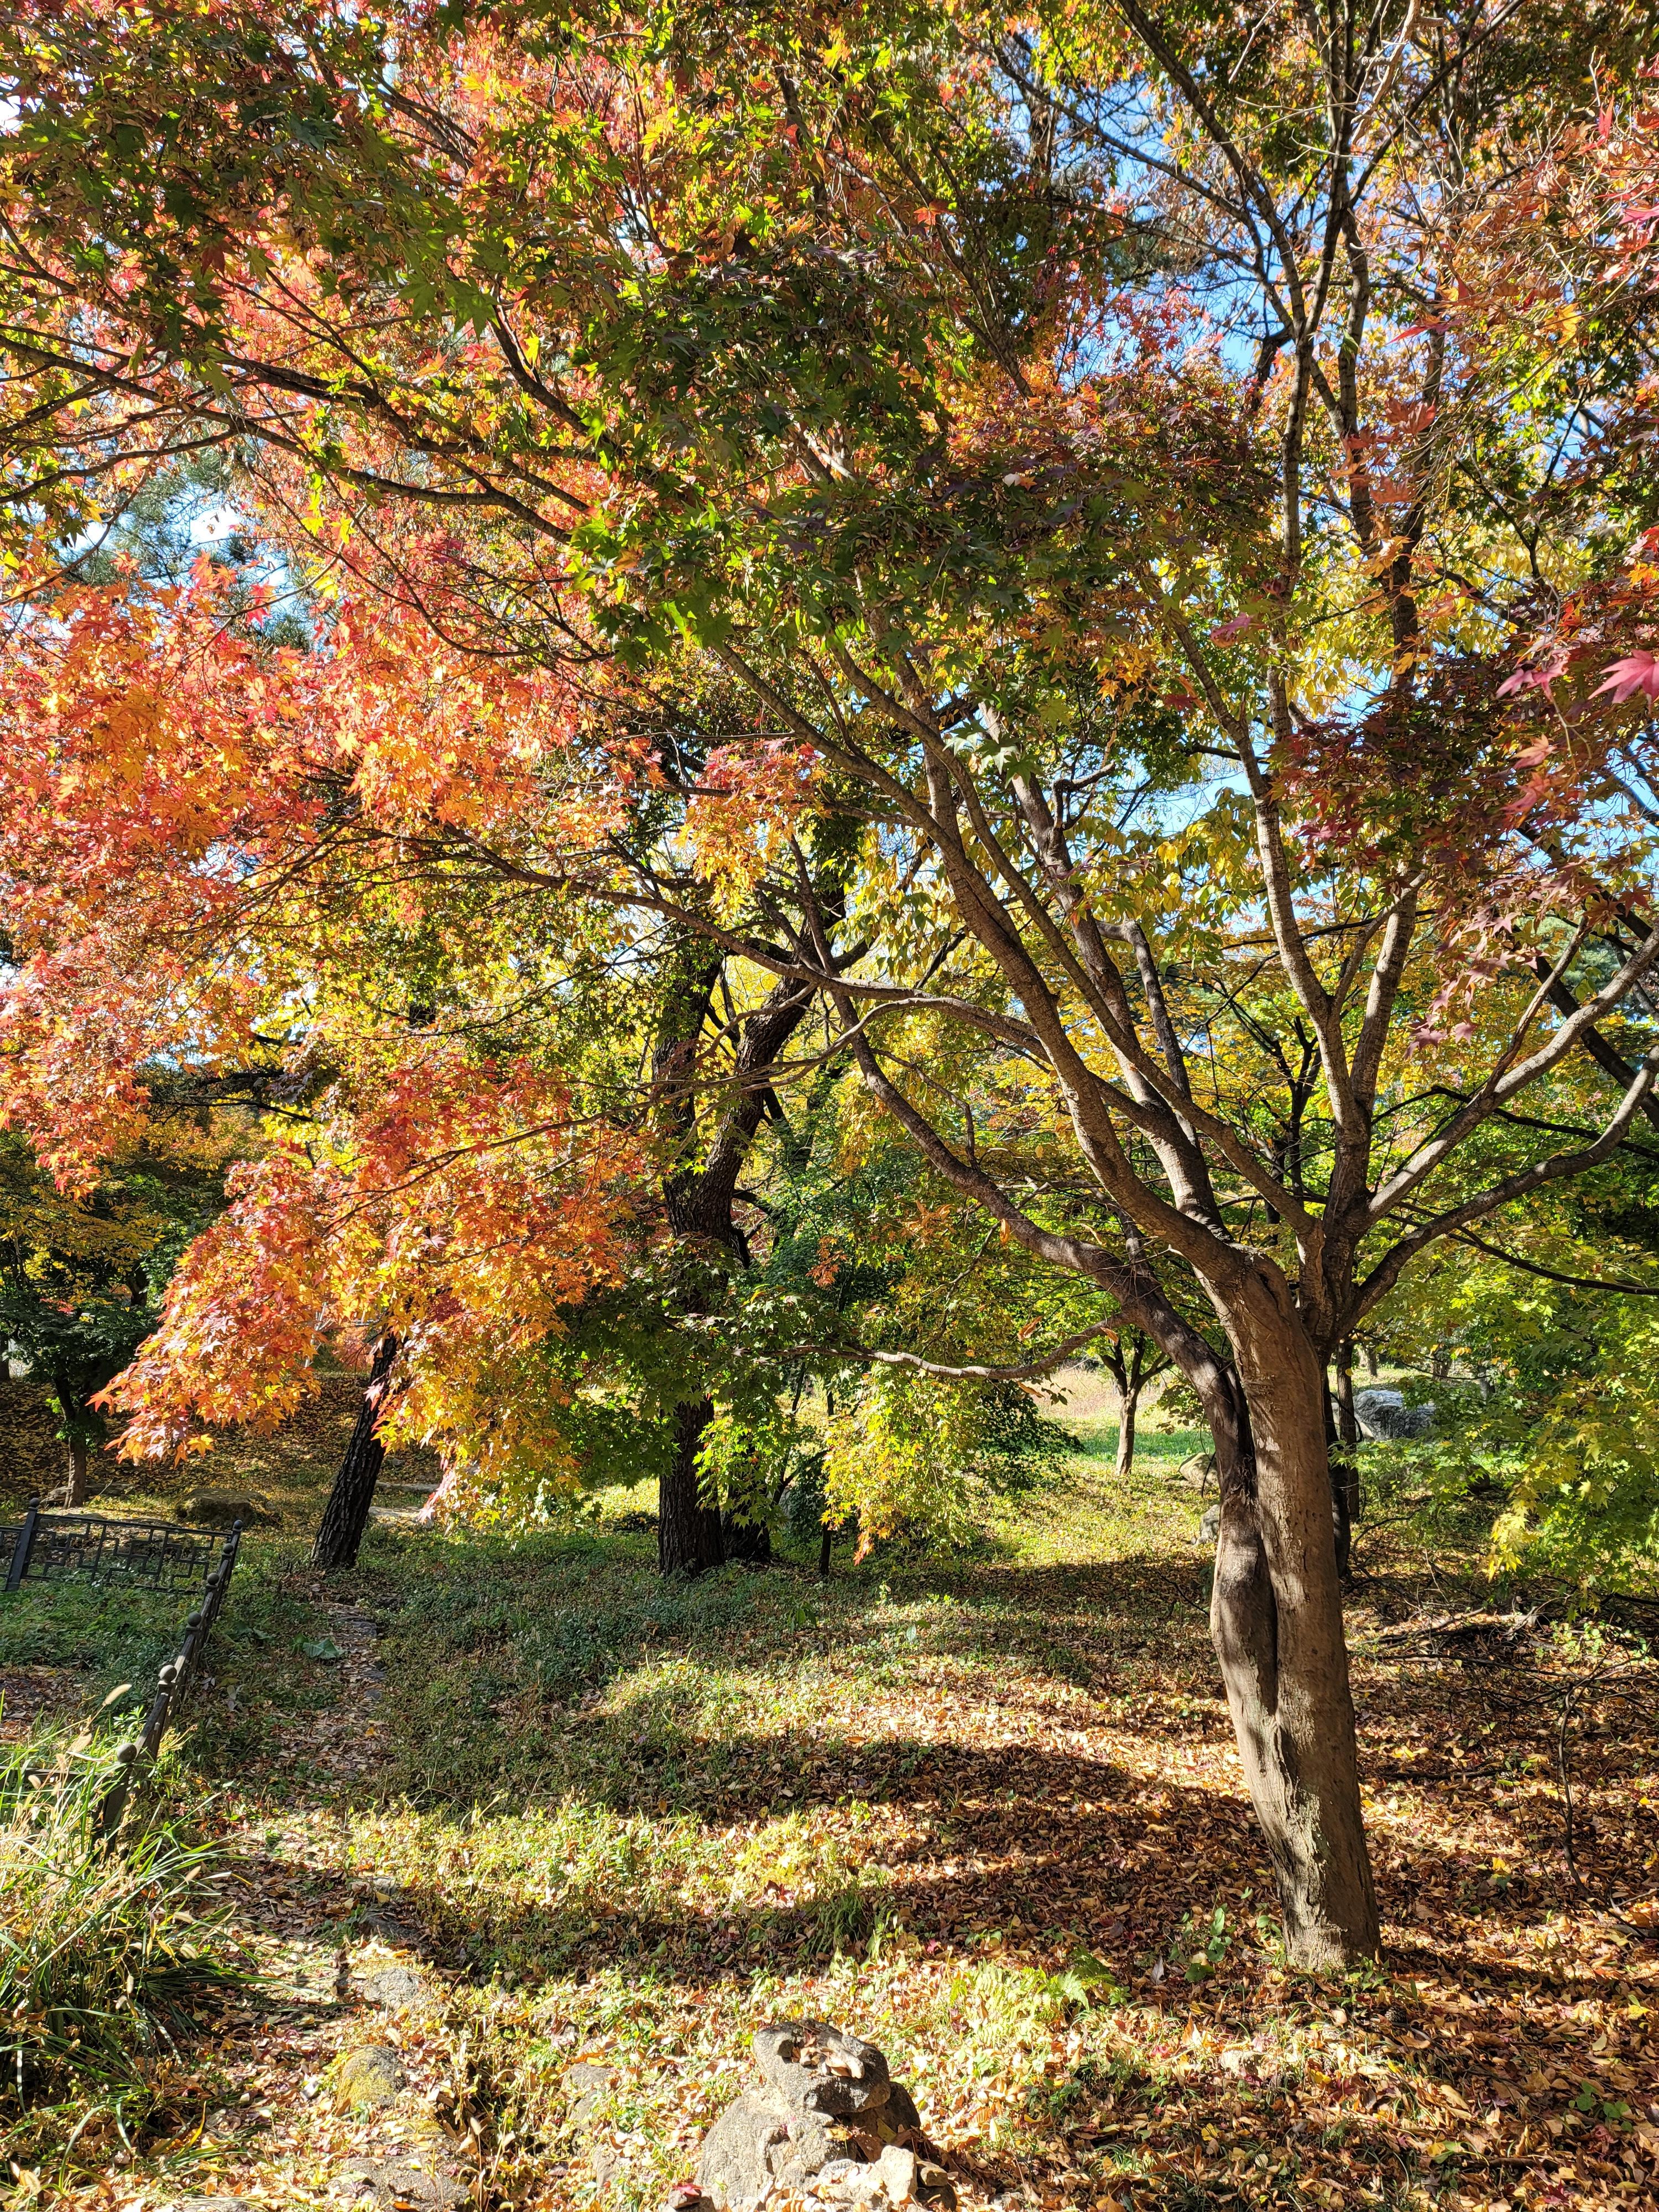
[748,1542]
[688,1531]
[1345,1462]
[824,1542]
[345,1517]
[1129,1406]
[1276,1622]
[80,1458]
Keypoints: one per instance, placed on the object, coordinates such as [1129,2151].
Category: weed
[102,1950]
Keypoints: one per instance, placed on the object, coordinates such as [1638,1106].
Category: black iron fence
[91,1547]
[140,1554]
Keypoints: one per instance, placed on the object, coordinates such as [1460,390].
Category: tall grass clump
[103,1948]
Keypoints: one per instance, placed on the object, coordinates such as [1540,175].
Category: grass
[985,1809]
[103,1954]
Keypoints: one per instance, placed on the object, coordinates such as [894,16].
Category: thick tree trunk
[1129,1406]
[345,1517]
[688,1531]
[1276,1622]
[80,1459]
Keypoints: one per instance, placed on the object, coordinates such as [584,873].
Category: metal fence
[140,1555]
[172,1687]
[92,1547]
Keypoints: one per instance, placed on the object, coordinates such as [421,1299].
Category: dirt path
[334,2078]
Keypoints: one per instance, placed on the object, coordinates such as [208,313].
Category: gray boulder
[1384,1416]
[395,1986]
[390,2182]
[827,2116]
[820,2069]
[1210,1527]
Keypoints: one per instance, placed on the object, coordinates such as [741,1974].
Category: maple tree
[1056,441]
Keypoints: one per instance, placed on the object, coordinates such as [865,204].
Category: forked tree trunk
[1276,1622]
[688,1531]
[345,1517]
[1128,1407]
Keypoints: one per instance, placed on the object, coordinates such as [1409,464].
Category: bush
[102,1951]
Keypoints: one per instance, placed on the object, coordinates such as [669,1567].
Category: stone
[745,2153]
[585,2084]
[1198,1472]
[389,2182]
[815,2068]
[934,2187]
[896,2169]
[827,2119]
[1384,1416]
[395,1985]
[1210,1527]
[848,2181]
[214,1509]
[371,2075]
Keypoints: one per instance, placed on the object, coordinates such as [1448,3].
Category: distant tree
[82,1276]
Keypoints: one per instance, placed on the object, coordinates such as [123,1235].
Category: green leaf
[321,1647]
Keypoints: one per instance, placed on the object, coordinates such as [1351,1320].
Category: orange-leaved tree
[1056,429]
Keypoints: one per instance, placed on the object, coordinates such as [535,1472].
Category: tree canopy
[1089,572]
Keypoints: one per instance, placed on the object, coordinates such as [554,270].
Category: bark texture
[80,1460]
[1128,1407]
[688,1531]
[345,1516]
[1276,1623]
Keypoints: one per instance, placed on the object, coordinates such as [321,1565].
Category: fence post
[113,1802]
[25,1544]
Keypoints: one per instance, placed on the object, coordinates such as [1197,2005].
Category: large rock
[392,2182]
[827,2119]
[214,1509]
[821,2068]
[395,1986]
[1384,1416]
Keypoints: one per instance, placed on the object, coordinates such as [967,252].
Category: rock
[1384,1416]
[848,2181]
[370,2075]
[815,2068]
[395,1985]
[1198,1472]
[827,2117]
[585,2084]
[900,2111]
[213,1509]
[745,2152]
[896,2169]
[391,2183]
[1210,1527]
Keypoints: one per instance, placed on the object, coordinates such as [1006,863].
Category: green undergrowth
[110,1641]
[108,1633]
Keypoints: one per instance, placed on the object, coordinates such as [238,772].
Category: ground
[984,1810]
